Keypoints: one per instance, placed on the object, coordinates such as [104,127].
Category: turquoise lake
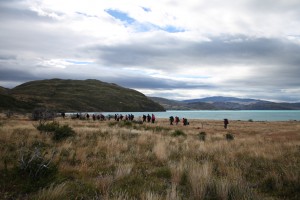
[255,115]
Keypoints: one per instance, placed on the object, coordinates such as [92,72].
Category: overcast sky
[167,48]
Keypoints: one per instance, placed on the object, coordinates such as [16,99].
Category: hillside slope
[82,95]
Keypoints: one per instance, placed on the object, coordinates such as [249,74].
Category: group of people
[120,117]
[87,116]
[130,117]
[177,120]
[149,118]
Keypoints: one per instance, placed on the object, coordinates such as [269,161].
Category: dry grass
[105,161]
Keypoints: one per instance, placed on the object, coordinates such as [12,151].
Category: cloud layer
[171,49]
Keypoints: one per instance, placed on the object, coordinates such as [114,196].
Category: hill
[3,90]
[225,103]
[81,96]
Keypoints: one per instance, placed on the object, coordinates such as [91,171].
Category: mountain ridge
[226,103]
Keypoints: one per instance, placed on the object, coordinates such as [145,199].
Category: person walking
[171,120]
[226,122]
[153,118]
[176,120]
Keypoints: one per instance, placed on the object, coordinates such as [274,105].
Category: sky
[168,48]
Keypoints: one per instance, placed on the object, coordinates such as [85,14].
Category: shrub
[48,127]
[178,133]
[111,124]
[63,132]
[229,136]
[250,120]
[126,124]
[33,164]
[202,136]
[163,172]
[59,132]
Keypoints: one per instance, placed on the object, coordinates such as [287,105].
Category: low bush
[34,165]
[163,172]
[33,169]
[48,127]
[202,136]
[177,133]
[58,132]
[63,132]
[229,136]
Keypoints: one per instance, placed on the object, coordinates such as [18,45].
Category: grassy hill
[81,95]
[3,90]
[8,102]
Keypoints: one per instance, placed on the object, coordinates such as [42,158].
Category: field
[129,160]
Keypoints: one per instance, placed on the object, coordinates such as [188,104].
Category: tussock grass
[117,160]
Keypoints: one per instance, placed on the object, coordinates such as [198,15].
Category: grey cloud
[15,10]
[219,51]
[271,6]
[156,83]
[7,57]
[15,75]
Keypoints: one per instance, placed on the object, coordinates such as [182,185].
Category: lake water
[255,115]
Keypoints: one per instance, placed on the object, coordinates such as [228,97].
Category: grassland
[117,160]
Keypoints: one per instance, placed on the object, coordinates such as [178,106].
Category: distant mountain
[223,99]
[170,104]
[77,96]
[226,103]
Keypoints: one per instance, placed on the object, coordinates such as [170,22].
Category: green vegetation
[58,132]
[202,136]
[8,102]
[229,136]
[177,133]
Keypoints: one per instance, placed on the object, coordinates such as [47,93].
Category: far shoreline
[242,115]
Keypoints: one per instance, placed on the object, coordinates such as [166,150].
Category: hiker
[88,116]
[185,121]
[102,117]
[171,120]
[94,117]
[77,116]
[63,114]
[131,117]
[153,118]
[144,118]
[176,120]
[226,122]
[148,118]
